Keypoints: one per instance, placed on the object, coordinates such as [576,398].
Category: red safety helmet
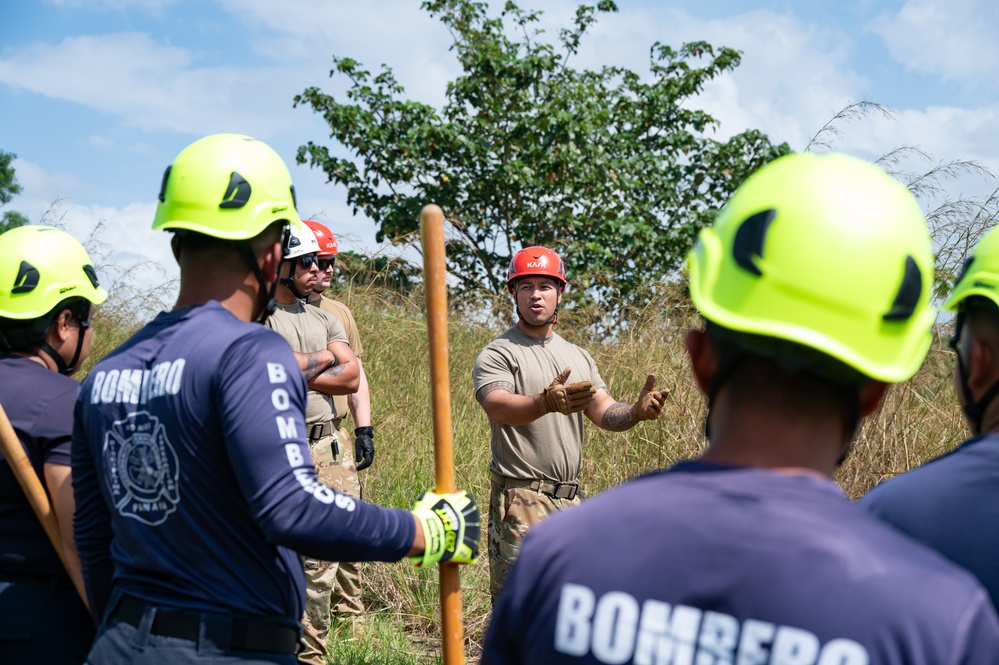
[327,243]
[536,261]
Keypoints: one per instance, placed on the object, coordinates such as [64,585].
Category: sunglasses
[309,260]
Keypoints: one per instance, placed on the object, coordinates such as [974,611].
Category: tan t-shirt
[551,447]
[309,329]
[342,312]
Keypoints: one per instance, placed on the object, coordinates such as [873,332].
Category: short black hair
[790,357]
[226,251]
[763,370]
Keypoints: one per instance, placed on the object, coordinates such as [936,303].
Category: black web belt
[247,634]
[552,488]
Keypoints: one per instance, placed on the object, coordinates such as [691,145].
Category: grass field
[918,420]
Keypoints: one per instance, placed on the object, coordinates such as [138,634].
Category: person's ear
[982,369]
[65,324]
[271,262]
[703,361]
[175,247]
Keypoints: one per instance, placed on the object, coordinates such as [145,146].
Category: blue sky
[97,96]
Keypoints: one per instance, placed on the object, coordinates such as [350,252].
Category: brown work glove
[649,404]
[566,399]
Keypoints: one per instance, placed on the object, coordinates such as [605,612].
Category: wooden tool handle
[435,282]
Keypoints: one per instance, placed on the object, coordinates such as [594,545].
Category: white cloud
[122,235]
[392,32]
[955,40]
[944,133]
[39,189]
[793,75]
[153,86]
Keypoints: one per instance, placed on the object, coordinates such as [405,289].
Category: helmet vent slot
[27,278]
[749,240]
[964,270]
[237,194]
[166,175]
[908,294]
[91,275]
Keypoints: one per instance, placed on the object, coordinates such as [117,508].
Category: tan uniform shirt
[308,329]
[342,313]
[551,447]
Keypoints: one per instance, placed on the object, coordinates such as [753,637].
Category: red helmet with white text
[327,242]
[538,261]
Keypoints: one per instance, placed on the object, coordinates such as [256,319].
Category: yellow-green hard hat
[980,276]
[227,186]
[40,267]
[829,252]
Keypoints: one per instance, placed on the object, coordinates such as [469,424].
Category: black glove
[364,447]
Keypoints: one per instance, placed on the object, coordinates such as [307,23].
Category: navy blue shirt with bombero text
[704,564]
[193,481]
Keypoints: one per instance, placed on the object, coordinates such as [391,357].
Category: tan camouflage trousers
[331,588]
[512,512]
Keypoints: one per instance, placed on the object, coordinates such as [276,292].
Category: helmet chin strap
[290,283]
[61,364]
[47,349]
[265,297]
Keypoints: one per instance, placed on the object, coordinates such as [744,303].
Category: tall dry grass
[919,420]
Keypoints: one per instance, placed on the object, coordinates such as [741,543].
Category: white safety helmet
[301,242]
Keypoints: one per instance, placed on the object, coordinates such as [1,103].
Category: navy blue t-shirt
[193,478]
[39,404]
[950,503]
[703,564]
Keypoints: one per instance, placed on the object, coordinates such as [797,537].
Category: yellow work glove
[566,399]
[649,404]
[450,528]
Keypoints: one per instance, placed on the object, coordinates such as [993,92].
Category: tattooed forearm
[481,393]
[334,370]
[618,418]
[314,365]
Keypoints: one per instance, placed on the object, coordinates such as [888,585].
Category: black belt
[321,430]
[552,488]
[247,634]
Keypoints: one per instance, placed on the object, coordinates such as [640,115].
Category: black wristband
[367,429]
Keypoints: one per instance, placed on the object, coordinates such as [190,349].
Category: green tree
[9,188]
[614,170]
